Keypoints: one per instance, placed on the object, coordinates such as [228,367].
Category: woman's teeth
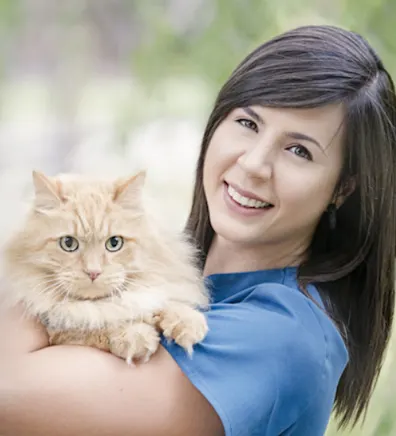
[245,201]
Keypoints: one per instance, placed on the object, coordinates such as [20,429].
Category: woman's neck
[225,256]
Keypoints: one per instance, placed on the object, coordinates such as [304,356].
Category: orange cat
[98,271]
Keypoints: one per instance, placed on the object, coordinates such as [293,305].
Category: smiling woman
[263,161]
[294,213]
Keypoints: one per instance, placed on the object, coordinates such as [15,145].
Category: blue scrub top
[272,359]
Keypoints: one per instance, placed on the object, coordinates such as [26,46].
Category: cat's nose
[93,275]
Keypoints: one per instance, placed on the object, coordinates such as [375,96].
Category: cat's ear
[48,192]
[128,193]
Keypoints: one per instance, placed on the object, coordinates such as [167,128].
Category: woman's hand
[20,334]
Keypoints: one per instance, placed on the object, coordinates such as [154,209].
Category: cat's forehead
[92,220]
[91,211]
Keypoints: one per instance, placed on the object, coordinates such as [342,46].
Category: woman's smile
[245,204]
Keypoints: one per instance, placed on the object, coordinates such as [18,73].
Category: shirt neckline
[223,285]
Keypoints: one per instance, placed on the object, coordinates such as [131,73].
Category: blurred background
[113,86]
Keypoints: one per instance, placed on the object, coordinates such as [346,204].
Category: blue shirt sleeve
[263,362]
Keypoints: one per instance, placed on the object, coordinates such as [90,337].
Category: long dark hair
[354,266]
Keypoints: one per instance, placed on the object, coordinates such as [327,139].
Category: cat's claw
[184,325]
[130,361]
[135,342]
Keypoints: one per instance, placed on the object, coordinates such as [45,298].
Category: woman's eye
[114,243]
[301,151]
[249,124]
[68,243]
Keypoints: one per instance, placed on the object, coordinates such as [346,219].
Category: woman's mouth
[246,201]
[244,204]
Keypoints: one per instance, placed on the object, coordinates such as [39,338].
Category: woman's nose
[257,162]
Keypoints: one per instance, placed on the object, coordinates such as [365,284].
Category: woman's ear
[345,190]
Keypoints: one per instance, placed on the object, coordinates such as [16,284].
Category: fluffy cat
[97,270]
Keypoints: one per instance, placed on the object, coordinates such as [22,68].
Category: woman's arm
[82,391]
[19,335]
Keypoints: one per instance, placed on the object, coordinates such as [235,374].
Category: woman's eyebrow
[249,111]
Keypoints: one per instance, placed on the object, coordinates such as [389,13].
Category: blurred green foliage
[224,31]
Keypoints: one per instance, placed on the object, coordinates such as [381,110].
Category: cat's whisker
[128,286]
[115,292]
[62,288]
[67,291]
[52,289]
[45,286]
[67,296]
[126,272]
[65,299]
[33,280]
[113,295]
[116,275]
[48,283]
[139,271]
[134,281]
[67,276]
[119,290]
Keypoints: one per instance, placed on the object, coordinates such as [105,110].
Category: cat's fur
[150,284]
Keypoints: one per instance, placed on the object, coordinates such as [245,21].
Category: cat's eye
[114,243]
[68,243]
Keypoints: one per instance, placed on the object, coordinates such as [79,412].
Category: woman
[294,211]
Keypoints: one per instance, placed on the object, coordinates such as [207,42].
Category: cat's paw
[184,325]
[134,342]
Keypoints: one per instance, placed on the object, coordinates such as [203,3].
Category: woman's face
[269,174]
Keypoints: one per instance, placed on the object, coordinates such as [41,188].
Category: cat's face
[82,236]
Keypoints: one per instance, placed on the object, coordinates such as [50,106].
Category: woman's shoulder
[273,299]
[285,316]
[269,355]
[300,321]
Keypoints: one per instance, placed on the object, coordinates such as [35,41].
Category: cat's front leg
[185,325]
[134,341]
[95,338]
[73,334]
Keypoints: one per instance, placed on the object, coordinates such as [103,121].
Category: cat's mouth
[88,298]
[79,290]
[89,294]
